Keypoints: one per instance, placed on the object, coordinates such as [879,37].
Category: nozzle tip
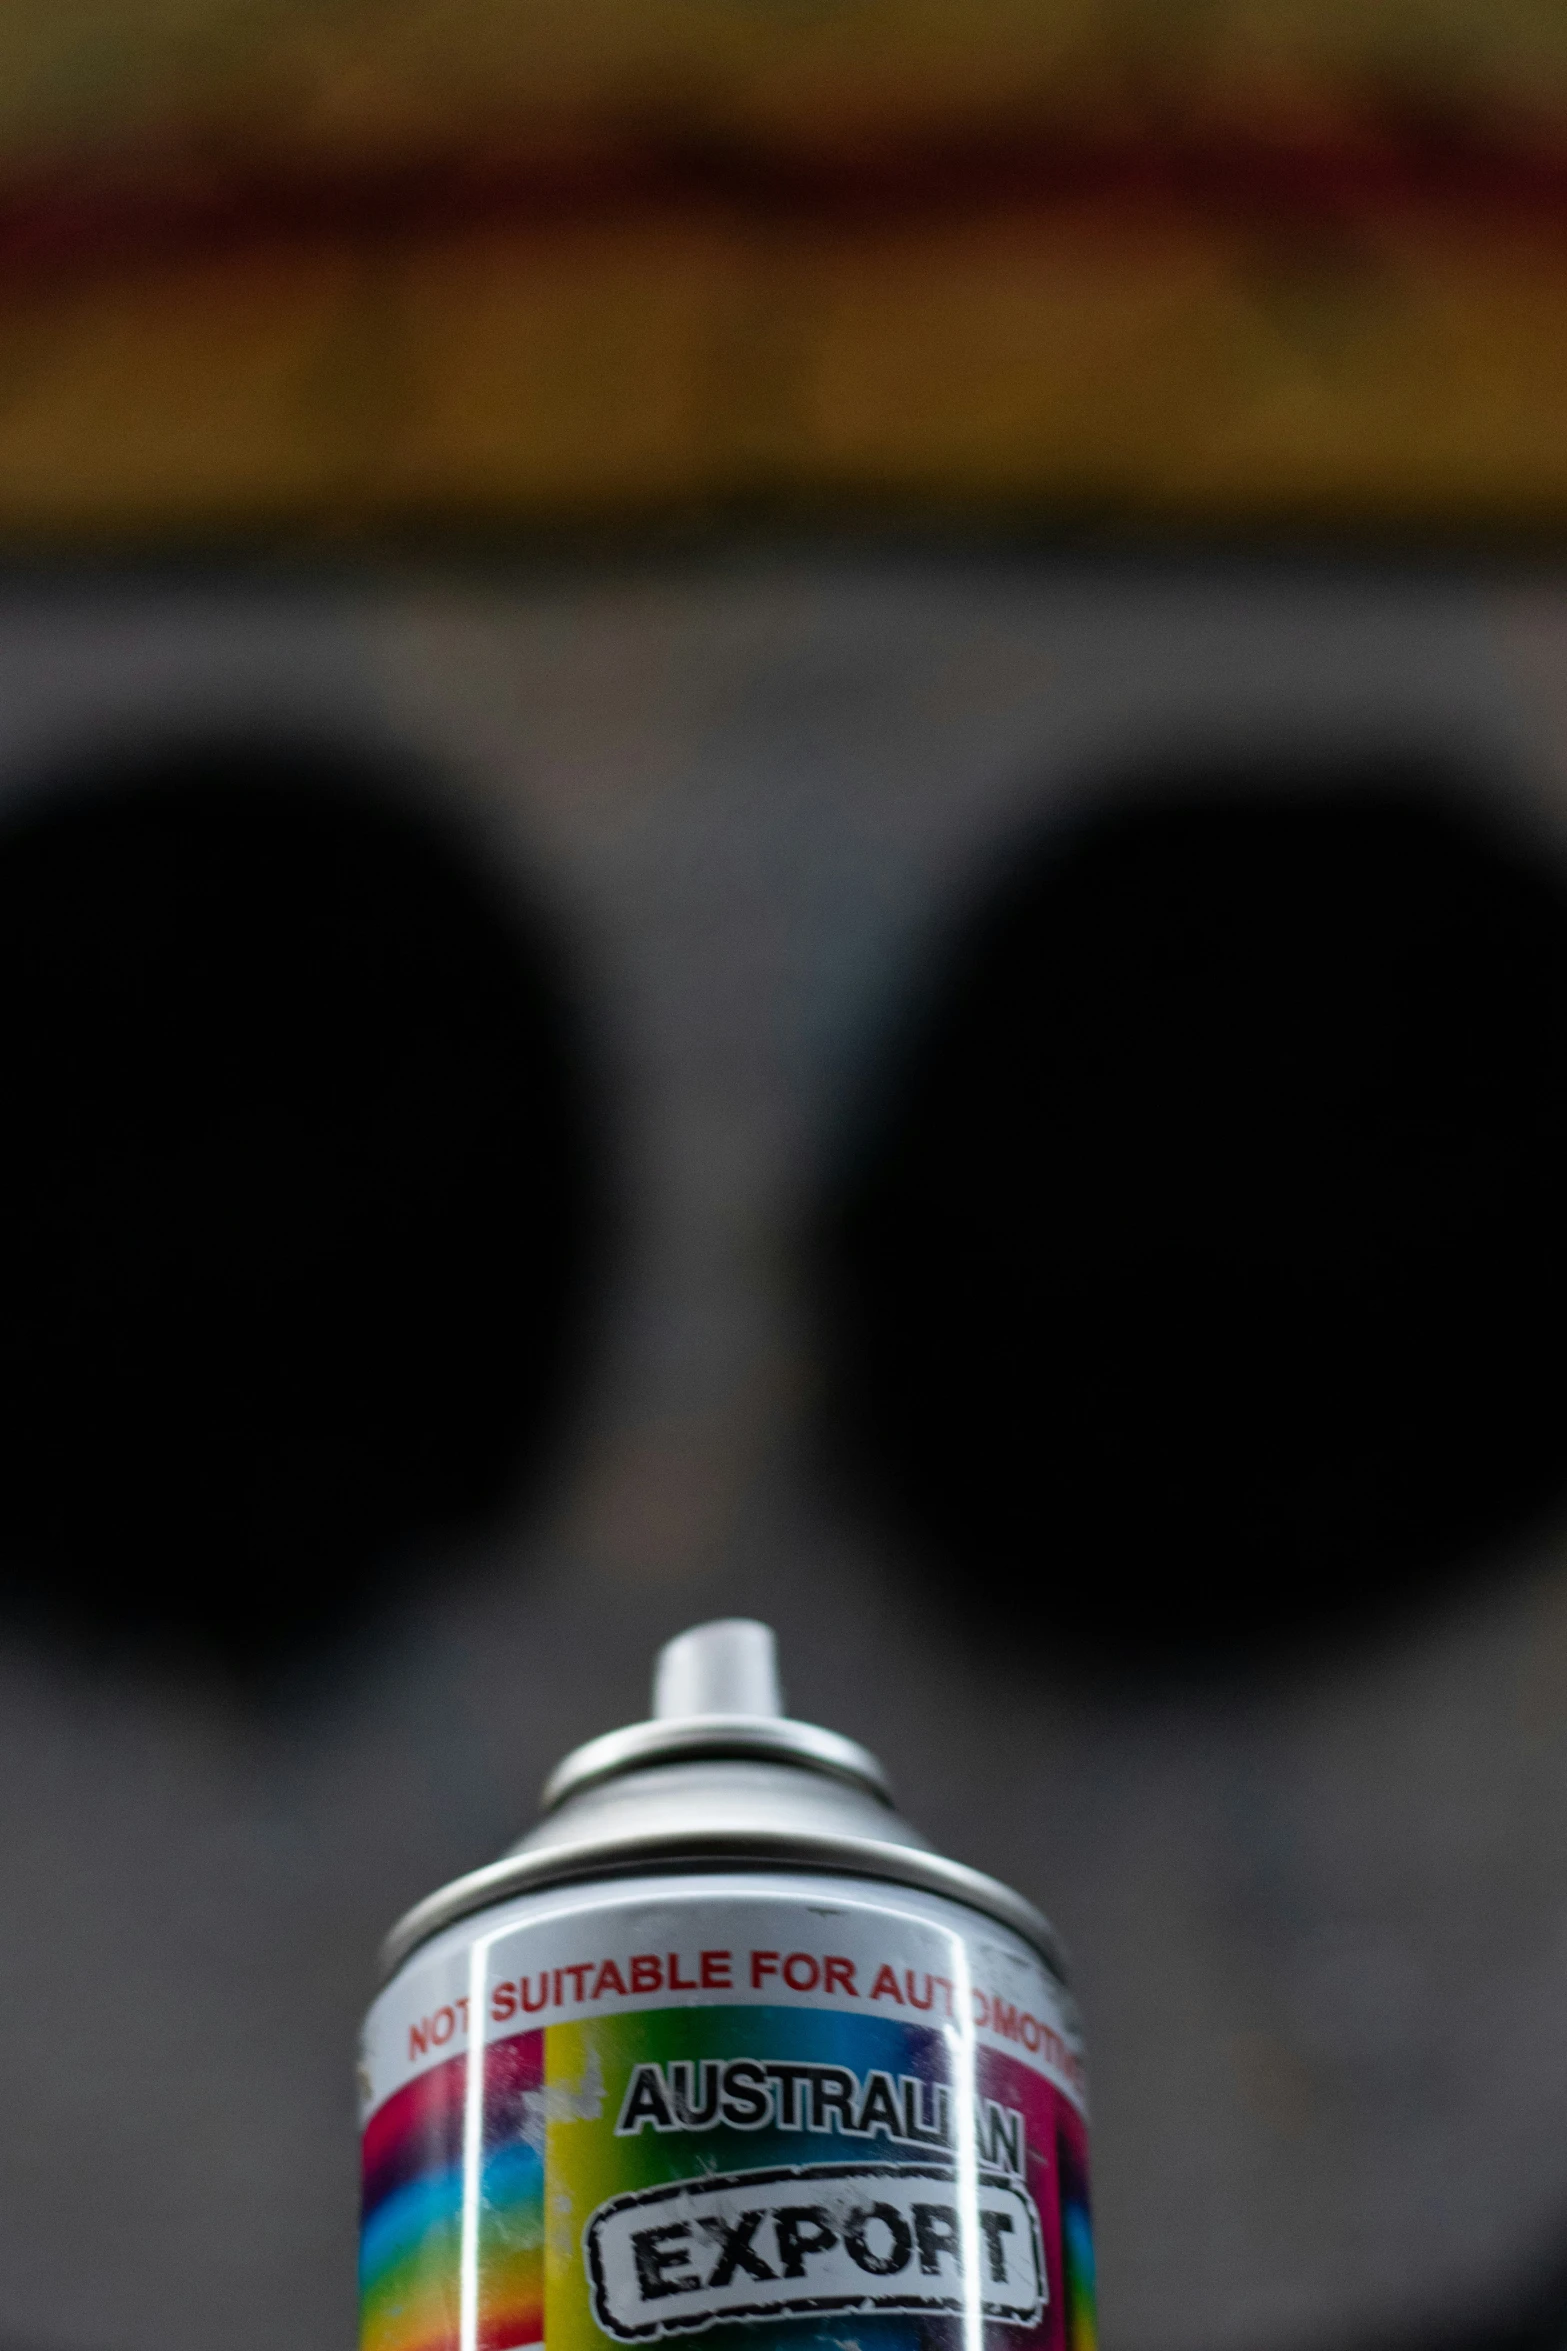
[727,1667]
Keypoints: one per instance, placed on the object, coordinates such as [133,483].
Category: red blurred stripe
[78,219]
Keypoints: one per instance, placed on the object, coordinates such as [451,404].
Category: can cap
[719,1778]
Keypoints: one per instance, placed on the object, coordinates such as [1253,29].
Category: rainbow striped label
[731,2116]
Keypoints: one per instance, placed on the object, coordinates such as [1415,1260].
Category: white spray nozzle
[728,1667]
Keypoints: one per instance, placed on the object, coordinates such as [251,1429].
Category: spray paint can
[724,2047]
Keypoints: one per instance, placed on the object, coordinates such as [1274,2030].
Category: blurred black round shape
[1203,1272]
[296,1196]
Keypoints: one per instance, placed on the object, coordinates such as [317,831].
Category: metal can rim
[839,1856]
[694,1737]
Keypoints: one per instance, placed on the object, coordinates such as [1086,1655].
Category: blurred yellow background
[310,265]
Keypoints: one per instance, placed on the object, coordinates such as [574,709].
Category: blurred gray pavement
[1318,1917]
